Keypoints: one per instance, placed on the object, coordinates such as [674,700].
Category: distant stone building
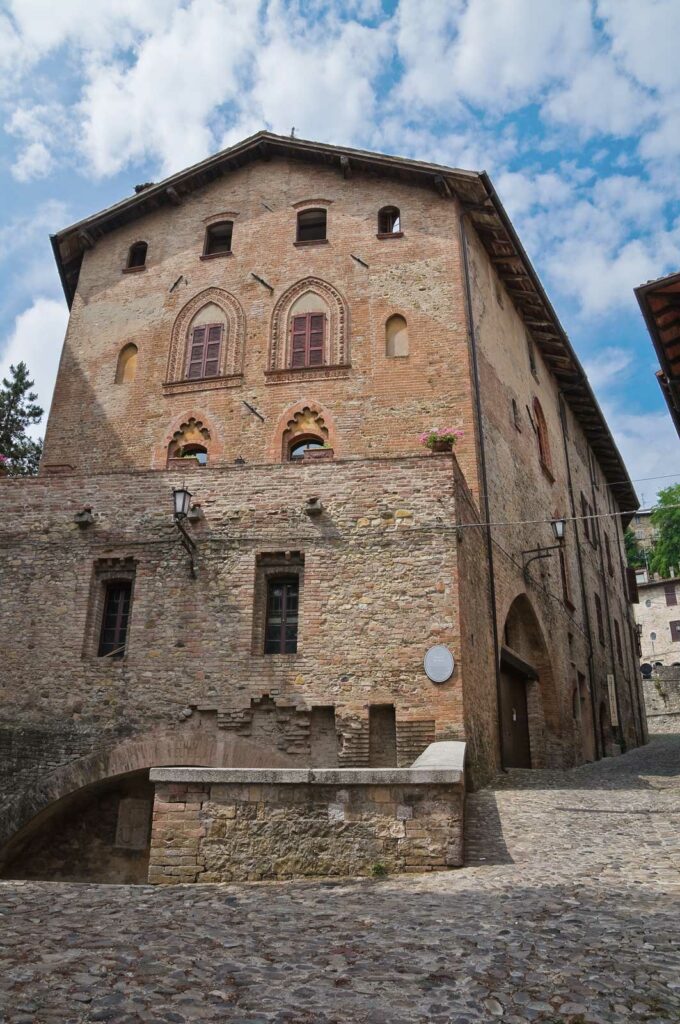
[658,619]
[274,328]
[644,531]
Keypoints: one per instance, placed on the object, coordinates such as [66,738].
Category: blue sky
[572,106]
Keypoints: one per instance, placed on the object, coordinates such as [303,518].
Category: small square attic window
[218,238]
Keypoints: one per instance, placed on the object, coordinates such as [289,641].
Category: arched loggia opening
[529,710]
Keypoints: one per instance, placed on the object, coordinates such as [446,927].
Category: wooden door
[514,720]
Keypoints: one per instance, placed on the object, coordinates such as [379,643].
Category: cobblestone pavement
[569,911]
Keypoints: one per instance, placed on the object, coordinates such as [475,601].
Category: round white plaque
[439,663]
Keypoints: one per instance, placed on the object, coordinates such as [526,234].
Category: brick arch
[187,746]
[526,637]
[338,325]
[231,361]
[294,420]
[205,423]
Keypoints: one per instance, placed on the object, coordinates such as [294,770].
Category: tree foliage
[634,554]
[19,410]
[666,519]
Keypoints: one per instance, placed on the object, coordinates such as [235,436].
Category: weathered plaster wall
[285,827]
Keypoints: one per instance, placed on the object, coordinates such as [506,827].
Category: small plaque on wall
[439,663]
[134,818]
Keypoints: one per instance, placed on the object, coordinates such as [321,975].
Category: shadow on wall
[98,834]
[80,435]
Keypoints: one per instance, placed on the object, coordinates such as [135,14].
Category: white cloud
[161,106]
[608,367]
[37,339]
[599,99]
[648,443]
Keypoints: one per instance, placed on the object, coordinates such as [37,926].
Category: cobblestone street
[569,910]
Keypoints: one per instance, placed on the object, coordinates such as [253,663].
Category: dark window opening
[198,452]
[382,736]
[671,594]
[302,445]
[281,626]
[600,620]
[389,221]
[617,640]
[564,573]
[203,359]
[113,634]
[532,357]
[137,255]
[218,238]
[307,340]
[675,631]
[608,553]
[311,226]
[515,416]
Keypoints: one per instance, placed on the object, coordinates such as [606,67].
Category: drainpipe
[584,603]
[485,489]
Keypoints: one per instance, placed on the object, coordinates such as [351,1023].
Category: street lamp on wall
[181,505]
[533,554]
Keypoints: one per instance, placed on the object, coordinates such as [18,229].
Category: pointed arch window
[543,440]
[137,256]
[126,368]
[205,347]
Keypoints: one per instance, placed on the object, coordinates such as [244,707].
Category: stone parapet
[225,825]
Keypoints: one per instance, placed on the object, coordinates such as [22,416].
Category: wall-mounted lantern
[181,505]
[533,554]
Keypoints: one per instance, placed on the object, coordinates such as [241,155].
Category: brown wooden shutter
[675,630]
[211,364]
[584,513]
[299,347]
[315,348]
[631,581]
[196,353]
[671,595]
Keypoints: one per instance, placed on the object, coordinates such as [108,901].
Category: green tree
[19,409]
[666,519]
[634,554]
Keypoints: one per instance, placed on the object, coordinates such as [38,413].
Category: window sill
[215,255]
[288,374]
[547,473]
[133,270]
[183,387]
[311,241]
[384,235]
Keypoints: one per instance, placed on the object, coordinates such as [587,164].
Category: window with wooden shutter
[675,630]
[204,351]
[564,573]
[114,625]
[281,626]
[307,340]
[610,567]
[632,587]
[617,638]
[671,593]
[584,513]
[600,620]
[542,436]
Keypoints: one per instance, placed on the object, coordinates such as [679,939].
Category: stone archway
[112,768]
[530,714]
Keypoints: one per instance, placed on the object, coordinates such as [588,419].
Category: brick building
[274,328]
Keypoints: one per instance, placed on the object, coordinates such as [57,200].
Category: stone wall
[223,826]
[380,586]
[662,699]
[565,728]
[654,615]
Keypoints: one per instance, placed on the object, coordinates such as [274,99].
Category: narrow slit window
[311,226]
[126,368]
[137,256]
[281,627]
[115,618]
[218,238]
[205,347]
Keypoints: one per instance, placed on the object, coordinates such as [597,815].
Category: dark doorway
[382,736]
[514,720]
